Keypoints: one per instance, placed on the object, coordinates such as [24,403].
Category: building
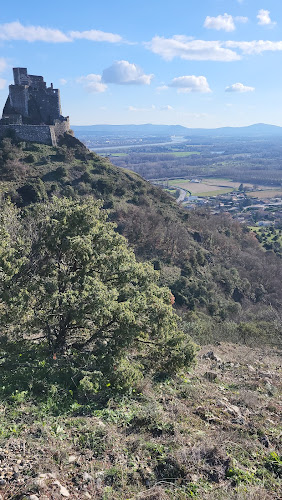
[33,110]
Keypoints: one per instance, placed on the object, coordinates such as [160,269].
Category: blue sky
[198,63]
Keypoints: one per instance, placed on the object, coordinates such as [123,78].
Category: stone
[87,477]
[64,492]
[2,482]
[251,369]
[211,376]
[33,497]
[72,459]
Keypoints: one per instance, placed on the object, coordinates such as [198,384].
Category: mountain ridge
[256,129]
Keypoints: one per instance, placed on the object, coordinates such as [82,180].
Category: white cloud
[193,50]
[191,83]
[16,31]
[255,46]
[2,83]
[202,50]
[125,73]
[151,108]
[167,107]
[96,36]
[241,19]
[63,81]
[3,64]
[264,18]
[134,109]
[239,87]
[225,22]
[92,83]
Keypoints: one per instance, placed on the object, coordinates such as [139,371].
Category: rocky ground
[211,434]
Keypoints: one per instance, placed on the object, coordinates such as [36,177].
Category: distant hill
[256,130]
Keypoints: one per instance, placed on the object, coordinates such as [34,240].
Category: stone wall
[45,134]
[33,133]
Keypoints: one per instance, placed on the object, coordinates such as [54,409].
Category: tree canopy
[70,282]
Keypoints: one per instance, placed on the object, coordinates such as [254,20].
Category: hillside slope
[208,433]
[213,266]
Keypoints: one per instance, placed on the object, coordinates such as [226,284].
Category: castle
[33,110]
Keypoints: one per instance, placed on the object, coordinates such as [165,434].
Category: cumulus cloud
[264,18]
[191,83]
[96,36]
[202,50]
[2,83]
[63,81]
[92,83]
[17,31]
[255,46]
[225,22]
[193,50]
[239,87]
[125,73]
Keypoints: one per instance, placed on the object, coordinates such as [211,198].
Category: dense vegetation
[212,265]
[93,354]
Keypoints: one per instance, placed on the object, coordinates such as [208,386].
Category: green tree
[72,281]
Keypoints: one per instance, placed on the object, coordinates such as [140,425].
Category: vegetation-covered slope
[97,395]
[212,264]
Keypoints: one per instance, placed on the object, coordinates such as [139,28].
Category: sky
[197,63]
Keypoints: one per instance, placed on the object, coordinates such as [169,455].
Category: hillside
[214,267]
[209,430]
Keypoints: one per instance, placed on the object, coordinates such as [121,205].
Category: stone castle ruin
[33,110]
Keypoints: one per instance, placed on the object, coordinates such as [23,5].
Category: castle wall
[33,133]
[19,99]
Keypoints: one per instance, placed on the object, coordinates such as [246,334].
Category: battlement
[30,102]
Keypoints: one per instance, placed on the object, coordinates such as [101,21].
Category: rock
[264,441]
[33,497]
[209,355]
[64,492]
[211,376]
[72,459]
[2,482]
[251,369]
[87,477]
[239,421]
[270,389]
[87,495]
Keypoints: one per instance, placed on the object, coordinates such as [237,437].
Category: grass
[180,438]
[213,193]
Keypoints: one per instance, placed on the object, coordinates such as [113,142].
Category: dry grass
[178,440]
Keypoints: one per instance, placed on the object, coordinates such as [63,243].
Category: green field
[185,153]
[269,238]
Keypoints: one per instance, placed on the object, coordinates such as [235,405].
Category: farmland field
[267,193]
[214,187]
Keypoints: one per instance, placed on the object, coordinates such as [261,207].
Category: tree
[70,281]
